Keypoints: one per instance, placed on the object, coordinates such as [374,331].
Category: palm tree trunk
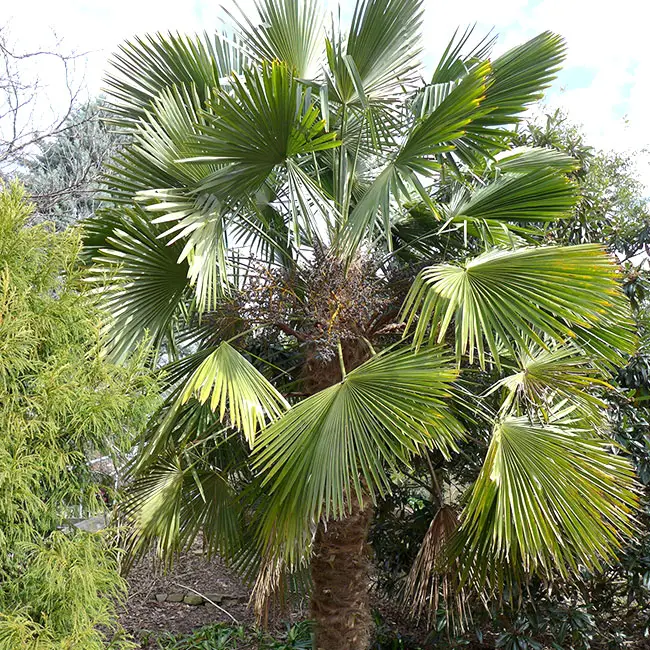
[340,569]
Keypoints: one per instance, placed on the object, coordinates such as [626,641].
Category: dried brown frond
[269,588]
[432,581]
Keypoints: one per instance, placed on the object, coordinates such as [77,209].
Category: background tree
[25,119]
[283,191]
[60,403]
[50,136]
[62,171]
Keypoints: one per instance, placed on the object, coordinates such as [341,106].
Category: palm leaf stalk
[316,242]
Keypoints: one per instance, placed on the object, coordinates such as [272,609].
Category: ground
[145,617]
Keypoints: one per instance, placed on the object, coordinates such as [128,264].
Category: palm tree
[325,251]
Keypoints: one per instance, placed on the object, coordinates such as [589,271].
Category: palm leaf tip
[236,388]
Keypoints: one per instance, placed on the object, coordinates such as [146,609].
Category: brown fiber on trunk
[340,568]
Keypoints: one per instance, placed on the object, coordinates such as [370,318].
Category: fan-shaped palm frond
[506,297]
[524,160]
[234,386]
[267,119]
[545,376]
[175,500]
[549,499]
[381,54]
[518,78]
[148,283]
[287,30]
[417,155]
[540,195]
[147,65]
[351,433]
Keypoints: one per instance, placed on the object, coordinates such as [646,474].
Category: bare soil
[144,616]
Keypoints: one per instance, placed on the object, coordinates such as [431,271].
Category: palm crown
[284,184]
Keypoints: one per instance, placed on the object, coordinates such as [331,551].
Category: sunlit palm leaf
[547,375]
[531,159]
[507,297]
[417,155]
[518,79]
[540,195]
[381,55]
[548,499]
[288,30]
[152,160]
[267,119]
[383,411]
[520,76]
[456,61]
[200,222]
[234,386]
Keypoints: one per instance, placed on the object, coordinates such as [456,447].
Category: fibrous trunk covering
[340,568]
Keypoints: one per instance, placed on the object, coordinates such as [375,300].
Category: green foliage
[227,637]
[60,403]
[603,609]
[278,188]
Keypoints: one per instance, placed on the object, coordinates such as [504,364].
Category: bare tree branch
[24,118]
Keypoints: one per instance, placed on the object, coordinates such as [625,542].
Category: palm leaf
[539,195]
[380,57]
[290,31]
[530,159]
[383,411]
[234,386]
[146,284]
[418,155]
[503,297]
[174,501]
[455,62]
[548,499]
[147,65]
[520,76]
[266,120]
[545,376]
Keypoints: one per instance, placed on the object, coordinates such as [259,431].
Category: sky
[603,86]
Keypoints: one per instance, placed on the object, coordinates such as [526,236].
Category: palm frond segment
[267,119]
[174,501]
[147,284]
[381,55]
[233,386]
[145,66]
[547,375]
[539,195]
[506,298]
[350,435]
[549,499]
[418,155]
[288,30]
